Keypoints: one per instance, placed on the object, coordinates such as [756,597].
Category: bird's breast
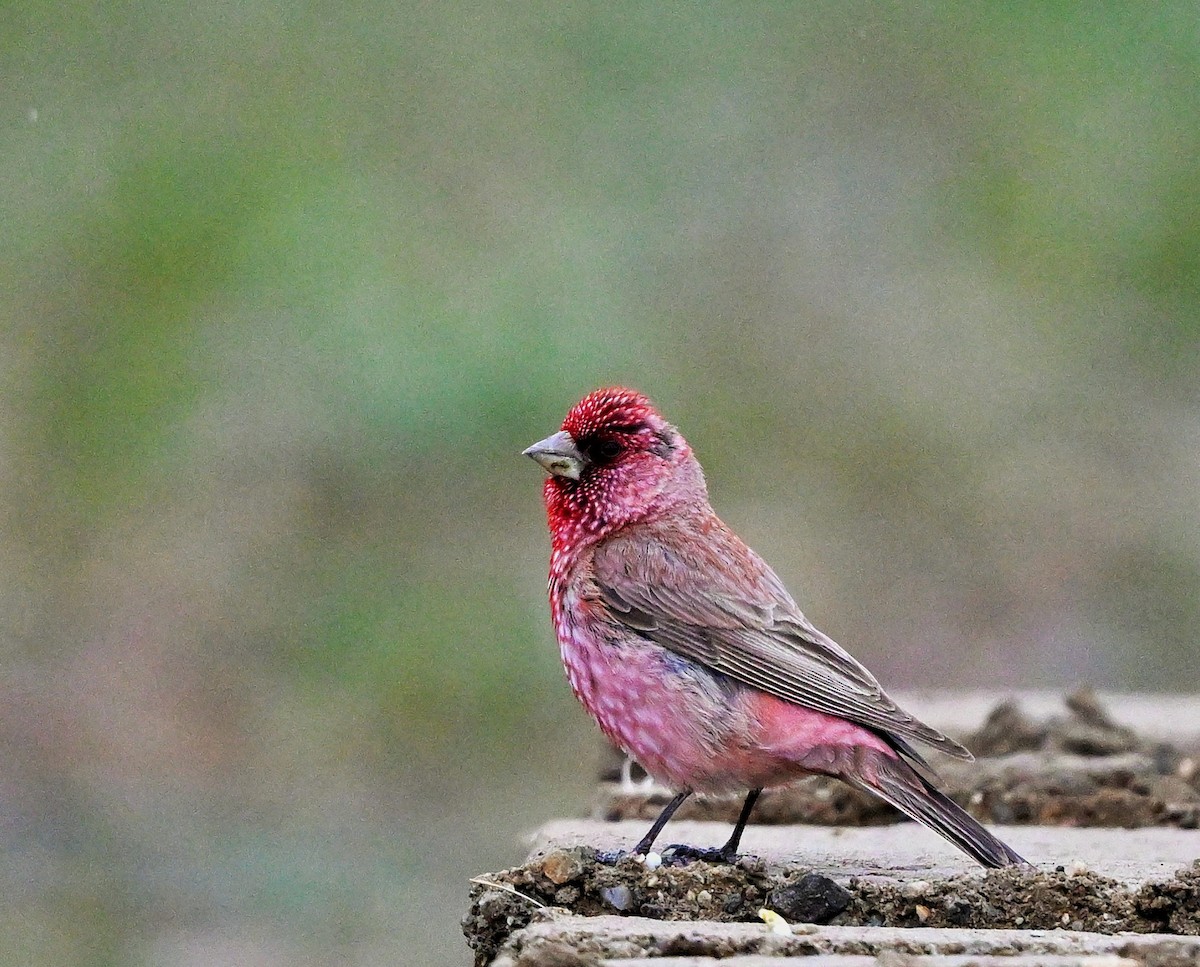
[676,718]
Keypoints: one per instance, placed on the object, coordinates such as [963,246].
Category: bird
[689,652]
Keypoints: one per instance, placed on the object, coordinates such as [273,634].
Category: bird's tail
[899,784]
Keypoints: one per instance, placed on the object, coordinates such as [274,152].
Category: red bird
[687,649]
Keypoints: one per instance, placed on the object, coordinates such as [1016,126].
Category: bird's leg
[728,852]
[730,848]
[647,841]
[643,846]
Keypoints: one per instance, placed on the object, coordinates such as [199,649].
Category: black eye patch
[605,449]
[608,444]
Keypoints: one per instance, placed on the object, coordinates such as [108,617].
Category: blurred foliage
[286,289]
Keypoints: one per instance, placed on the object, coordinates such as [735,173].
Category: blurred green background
[286,288]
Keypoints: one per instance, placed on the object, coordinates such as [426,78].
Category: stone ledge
[1100,882]
[570,941]
[897,894]
[903,851]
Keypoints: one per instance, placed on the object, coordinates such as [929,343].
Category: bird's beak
[558,455]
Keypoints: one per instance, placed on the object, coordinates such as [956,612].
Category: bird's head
[615,460]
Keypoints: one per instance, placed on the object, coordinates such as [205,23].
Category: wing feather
[728,610]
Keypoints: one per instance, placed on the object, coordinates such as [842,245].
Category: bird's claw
[681,854]
[610,857]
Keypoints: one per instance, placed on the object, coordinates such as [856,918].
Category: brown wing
[694,587]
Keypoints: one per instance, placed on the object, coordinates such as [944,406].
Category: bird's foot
[680,854]
[610,857]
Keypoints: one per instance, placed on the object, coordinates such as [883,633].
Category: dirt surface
[1075,768]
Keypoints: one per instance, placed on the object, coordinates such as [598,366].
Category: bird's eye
[607,449]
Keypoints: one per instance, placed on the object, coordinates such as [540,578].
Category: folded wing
[710,598]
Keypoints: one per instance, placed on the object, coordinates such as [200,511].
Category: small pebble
[1076,868]
[775,922]
[916,888]
[561,867]
[923,912]
[704,897]
[652,861]
[620,898]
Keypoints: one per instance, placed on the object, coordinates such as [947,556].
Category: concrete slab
[895,895]
[1090,891]
[890,960]
[632,941]
[904,851]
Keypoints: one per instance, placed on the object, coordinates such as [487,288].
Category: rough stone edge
[594,939]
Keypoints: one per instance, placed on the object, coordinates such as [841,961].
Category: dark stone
[811,899]
[958,911]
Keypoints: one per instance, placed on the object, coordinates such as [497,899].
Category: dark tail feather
[901,785]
